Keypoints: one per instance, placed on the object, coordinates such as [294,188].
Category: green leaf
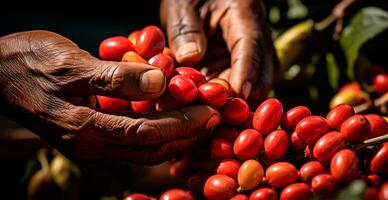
[297,10]
[332,71]
[365,25]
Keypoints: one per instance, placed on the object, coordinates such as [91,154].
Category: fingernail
[246,89]
[152,81]
[213,121]
[188,49]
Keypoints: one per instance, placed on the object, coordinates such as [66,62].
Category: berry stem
[372,141]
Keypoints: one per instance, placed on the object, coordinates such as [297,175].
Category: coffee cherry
[167,51]
[235,111]
[268,116]
[264,194]
[143,106]
[344,165]
[281,174]
[167,103]
[131,56]
[338,115]
[248,144]
[378,125]
[383,194]
[293,117]
[226,132]
[250,175]
[355,129]
[150,42]
[212,94]
[296,143]
[379,161]
[309,170]
[239,197]
[324,183]
[311,128]
[296,191]
[371,193]
[229,167]
[380,83]
[221,81]
[191,73]
[182,88]
[176,194]
[113,104]
[113,48]
[196,183]
[133,36]
[221,148]
[219,187]
[137,196]
[276,144]
[328,145]
[248,123]
[163,62]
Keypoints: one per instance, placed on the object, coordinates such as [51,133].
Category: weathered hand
[231,39]
[48,85]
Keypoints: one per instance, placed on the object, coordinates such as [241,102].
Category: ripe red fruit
[182,88]
[137,196]
[383,194]
[235,111]
[239,197]
[163,62]
[324,183]
[114,48]
[191,73]
[219,187]
[229,133]
[380,83]
[143,106]
[212,94]
[344,165]
[113,104]
[132,56]
[309,170]
[221,148]
[268,116]
[167,103]
[133,36]
[221,81]
[176,194]
[374,180]
[196,183]
[281,174]
[328,145]
[311,128]
[338,115]
[293,117]
[371,193]
[378,125]
[308,152]
[248,123]
[296,191]
[167,51]
[355,129]
[248,144]
[379,161]
[264,194]
[296,143]
[250,175]
[150,42]
[229,167]
[276,144]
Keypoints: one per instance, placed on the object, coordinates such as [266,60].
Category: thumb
[184,30]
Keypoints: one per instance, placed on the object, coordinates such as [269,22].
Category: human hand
[230,38]
[48,85]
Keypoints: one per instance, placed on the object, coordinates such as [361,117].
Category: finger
[135,81]
[184,30]
[244,39]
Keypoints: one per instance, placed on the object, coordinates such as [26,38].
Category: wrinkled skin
[227,38]
[48,85]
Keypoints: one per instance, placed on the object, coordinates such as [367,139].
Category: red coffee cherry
[150,42]
[221,148]
[311,128]
[383,194]
[378,125]
[221,81]
[229,167]
[344,165]
[131,56]
[268,116]
[264,194]
[296,191]
[276,144]
[250,175]
[163,62]
[309,170]
[212,94]
[296,143]
[133,36]
[143,106]
[229,133]
[380,83]
[219,187]
[176,194]
[371,193]
[182,88]
[239,197]
[293,117]
[324,183]
[328,145]
[113,104]
[379,161]
[196,183]
[281,174]
[248,144]
[235,111]
[114,48]
[191,73]
[248,123]
[137,196]
[338,115]
[355,129]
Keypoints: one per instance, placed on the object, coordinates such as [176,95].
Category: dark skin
[48,85]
